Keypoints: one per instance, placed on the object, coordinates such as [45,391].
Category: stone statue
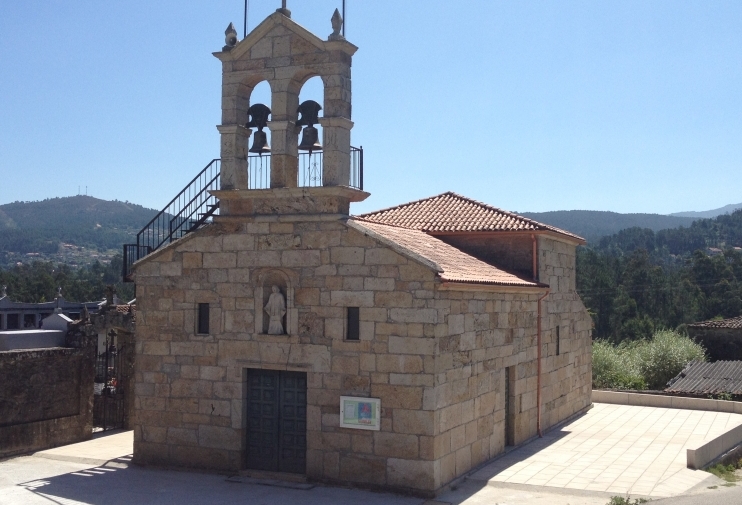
[5,292]
[276,309]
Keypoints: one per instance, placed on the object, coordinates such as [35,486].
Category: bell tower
[286,55]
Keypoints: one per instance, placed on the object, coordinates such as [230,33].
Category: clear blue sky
[630,106]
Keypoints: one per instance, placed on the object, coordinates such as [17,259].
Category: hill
[594,224]
[75,230]
[727,209]
[637,281]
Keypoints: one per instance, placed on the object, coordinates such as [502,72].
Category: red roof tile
[450,212]
[452,264]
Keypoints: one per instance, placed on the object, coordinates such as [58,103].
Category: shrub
[614,367]
[643,364]
[665,356]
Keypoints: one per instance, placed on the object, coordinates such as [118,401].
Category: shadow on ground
[117,482]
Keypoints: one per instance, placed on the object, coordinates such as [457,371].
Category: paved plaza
[616,449]
[611,450]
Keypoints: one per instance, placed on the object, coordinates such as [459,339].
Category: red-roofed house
[398,349]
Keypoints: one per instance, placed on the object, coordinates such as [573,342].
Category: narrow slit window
[203,319]
[558,341]
[354,324]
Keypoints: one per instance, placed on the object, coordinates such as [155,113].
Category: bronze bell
[310,139]
[260,143]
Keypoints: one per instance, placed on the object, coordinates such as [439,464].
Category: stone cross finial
[337,25]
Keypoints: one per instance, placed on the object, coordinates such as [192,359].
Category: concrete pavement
[611,450]
[615,449]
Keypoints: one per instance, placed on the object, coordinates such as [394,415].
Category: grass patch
[725,472]
[620,500]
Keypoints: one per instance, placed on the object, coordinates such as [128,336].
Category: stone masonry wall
[567,376]
[720,343]
[46,398]
[510,252]
[435,358]
[485,334]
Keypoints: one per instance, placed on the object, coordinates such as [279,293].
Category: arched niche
[285,281]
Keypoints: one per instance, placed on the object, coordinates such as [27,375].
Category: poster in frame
[360,413]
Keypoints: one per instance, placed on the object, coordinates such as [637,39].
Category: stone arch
[243,97]
[286,281]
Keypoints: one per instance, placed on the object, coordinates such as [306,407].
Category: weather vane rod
[244,30]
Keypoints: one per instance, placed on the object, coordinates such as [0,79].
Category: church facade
[398,349]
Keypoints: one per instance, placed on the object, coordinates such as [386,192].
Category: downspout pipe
[534,256]
[538,381]
[538,336]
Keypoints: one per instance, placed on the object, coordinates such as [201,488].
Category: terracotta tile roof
[452,264]
[450,212]
[734,323]
[708,378]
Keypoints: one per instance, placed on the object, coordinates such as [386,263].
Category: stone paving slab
[103,447]
[612,450]
[615,449]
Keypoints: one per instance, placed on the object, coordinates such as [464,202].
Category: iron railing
[310,169]
[195,205]
[191,208]
[109,398]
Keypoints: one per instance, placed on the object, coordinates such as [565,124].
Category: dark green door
[276,421]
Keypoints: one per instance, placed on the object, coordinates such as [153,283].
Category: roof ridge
[478,221]
[406,204]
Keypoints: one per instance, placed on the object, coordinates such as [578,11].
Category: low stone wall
[46,398]
[704,454]
[668,402]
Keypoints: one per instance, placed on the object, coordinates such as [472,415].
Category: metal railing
[259,171]
[191,208]
[310,169]
[195,205]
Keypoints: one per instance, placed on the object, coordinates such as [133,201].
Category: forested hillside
[638,280]
[594,224]
[72,229]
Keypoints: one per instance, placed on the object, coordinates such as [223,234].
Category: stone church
[398,349]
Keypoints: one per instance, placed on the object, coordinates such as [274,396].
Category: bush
[643,364]
[665,356]
[614,367]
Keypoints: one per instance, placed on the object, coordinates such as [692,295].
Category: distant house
[722,338]
[699,378]
[21,315]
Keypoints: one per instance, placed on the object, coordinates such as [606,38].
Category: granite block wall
[46,398]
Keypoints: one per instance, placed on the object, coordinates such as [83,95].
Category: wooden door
[276,421]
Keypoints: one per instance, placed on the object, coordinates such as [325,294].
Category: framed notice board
[360,413]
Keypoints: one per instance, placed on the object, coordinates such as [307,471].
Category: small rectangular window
[558,340]
[354,324]
[203,318]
